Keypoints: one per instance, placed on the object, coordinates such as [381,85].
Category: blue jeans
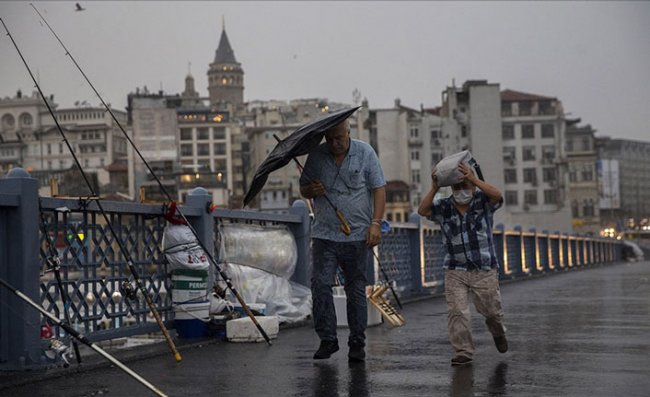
[352,257]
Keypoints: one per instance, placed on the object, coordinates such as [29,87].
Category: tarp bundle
[260,260]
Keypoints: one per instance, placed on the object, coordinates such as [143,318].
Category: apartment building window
[525,108]
[548,174]
[587,174]
[573,176]
[586,144]
[588,208]
[60,148]
[219,133]
[575,209]
[528,131]
[508,131]
[202,134]
[203,150]
[546,108]
[49,165]
[510,175]
[186,134]
[61,164]
[528,153]
[220,165]
[463,131]
[530,197]
[436,157]
[509,154]
[219,149]
[415,155]
[548,131]
[512,197]
[414,132]
[415,176]
[187,150]
[49,148]
[435,134]
[506,109]
[548,154]
[530,175]
[25,119]
[550,196]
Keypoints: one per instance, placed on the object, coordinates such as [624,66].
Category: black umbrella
[300,142]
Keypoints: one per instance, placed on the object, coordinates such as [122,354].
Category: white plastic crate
[340,305]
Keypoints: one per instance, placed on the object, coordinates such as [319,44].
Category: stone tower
[225,76]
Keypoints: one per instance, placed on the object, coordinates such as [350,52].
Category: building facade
[581,154]
[29,138]
[625,192]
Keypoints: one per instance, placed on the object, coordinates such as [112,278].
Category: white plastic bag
[269,248]
[182,250]
[447,172]
[289,301]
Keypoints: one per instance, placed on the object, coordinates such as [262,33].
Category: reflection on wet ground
[580,333]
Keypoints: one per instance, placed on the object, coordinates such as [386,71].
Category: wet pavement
[579,333]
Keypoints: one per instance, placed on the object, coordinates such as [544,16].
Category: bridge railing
[93,267]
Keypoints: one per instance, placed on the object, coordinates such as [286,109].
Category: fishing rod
[123,249]
[81,338]
[54,264]
[162,188]
[345,226]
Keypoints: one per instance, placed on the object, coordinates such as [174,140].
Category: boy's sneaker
[356,354]
[460,360]
[326,349]
[501,343]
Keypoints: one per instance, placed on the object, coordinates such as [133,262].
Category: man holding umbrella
[347,172]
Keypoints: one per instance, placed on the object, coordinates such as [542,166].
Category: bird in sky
[79,7]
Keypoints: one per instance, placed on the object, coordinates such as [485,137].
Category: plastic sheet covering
[289,301]
[182,250]
[269,248]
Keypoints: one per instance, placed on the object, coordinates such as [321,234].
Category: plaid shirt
[467,238]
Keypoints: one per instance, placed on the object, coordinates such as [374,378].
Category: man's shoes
[326,349]
[356,354]
[501,343]
[460,360]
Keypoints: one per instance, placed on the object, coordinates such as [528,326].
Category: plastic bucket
[190,319]
[189,285]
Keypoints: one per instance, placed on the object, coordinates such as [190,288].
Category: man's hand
[316,189]
[434,178]
[468,174]
[373,237]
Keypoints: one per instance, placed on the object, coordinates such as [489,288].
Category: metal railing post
[20,345]
[203,224]
[417,260]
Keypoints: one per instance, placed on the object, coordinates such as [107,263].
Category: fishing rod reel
[128,290]
[58,349]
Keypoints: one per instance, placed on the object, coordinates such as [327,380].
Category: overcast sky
[593,56]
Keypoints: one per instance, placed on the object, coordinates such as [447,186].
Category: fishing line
[162,188]
[126,254]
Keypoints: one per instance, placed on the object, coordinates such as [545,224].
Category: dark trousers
[352,257]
